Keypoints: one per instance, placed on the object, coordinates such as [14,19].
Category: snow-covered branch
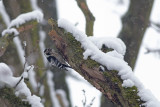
[21,90]
[117,82]
[22,23]
[23,18]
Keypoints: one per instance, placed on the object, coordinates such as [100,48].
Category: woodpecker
[54,59]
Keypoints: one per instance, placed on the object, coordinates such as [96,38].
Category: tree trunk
[135,23]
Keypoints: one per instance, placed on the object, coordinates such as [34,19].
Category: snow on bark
[4,14]
[127,83]
[110,42]
[10,31]
[21,90]
[23,18]
[6,78]
[110,61]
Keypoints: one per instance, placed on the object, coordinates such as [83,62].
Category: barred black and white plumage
[54,59]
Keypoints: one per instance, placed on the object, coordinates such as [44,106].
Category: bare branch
[91,103]
[154,25]
[88,16]
[149,50]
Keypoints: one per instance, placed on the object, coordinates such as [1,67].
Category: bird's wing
[59,57]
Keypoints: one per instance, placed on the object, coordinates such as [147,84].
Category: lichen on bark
[109,83]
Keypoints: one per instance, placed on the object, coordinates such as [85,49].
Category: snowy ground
[108,15]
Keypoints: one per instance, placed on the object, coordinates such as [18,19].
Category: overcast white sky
[108,23]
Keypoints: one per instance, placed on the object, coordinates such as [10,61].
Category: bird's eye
[46,50]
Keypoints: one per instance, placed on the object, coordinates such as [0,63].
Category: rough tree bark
[135,23]
[89,32]
[109,83]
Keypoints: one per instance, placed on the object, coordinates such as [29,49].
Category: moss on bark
[10,100]
[109,83]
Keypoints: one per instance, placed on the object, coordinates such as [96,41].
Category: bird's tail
[66,66]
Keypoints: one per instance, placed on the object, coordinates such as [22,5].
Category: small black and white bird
[54,59]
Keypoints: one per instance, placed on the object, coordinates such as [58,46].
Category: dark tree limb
[108,82]
[135,23]
[88,16]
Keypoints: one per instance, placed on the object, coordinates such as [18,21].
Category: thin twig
[156,26]
[29,69]
[152,51]
[19,81]
[24,47]
[85,100]
[91,103]
[22,77]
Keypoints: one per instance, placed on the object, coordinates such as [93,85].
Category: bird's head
[47,52]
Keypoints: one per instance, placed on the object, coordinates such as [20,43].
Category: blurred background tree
[135,22]
[33,50]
